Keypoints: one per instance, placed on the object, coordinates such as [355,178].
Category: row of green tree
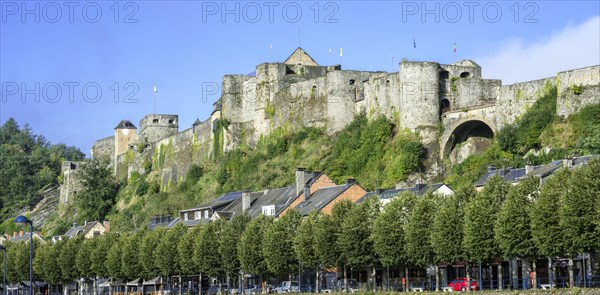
[561,217]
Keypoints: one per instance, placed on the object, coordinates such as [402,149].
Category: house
[21,236]
[267,202]
[162,221]
[90,229]
[205,212]
[324,198]
[419,189]
[515,175]
[306,185]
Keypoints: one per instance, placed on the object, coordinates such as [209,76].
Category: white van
[287,287]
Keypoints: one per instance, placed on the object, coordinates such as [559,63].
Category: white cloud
[517,61]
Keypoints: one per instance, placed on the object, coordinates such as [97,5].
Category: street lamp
[4,261]
[22,221]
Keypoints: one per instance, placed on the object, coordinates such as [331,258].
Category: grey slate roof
[81,229]
[418,189]
[279,197]
[125,124]
[159,221]
[542,171]
[320,199]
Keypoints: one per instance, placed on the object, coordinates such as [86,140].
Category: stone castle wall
[421,96]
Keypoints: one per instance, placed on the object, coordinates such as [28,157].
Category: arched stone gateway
[470,128]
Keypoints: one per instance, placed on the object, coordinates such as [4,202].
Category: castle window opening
[445,75]
[314,87]
[387,82]
[445,105]
[464,74]
[170,121]
[154,121]
[351,82]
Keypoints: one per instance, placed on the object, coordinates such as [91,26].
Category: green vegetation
[557,218]
[524,134]
[522,142]
[28,163]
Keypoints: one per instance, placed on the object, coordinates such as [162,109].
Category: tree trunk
[571,276]
[437,278]
[534,270]
[500,275]
[588,273]
[317,280]
[407,282]
[467,270]
[180,286]
[550,272]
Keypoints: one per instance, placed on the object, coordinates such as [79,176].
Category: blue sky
[51,51]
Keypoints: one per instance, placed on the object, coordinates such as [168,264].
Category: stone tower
[419,96]
[155,127]
[125,137]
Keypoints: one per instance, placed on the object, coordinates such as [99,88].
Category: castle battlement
[445,103]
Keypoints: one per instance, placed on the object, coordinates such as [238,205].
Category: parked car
[460,284]
[257,289]
[347,285]
[287,287]
[217,290]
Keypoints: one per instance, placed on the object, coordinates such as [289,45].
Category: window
[154,121]
[185,216]
[351,82]
[96,233]
[444,75]
[268,210]
[171,121]
[464,74]
[205,213]
[197,215]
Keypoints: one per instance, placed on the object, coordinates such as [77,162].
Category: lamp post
[4,261]
[21,221]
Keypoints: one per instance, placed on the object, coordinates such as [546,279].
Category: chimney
[299,180]
[21,233]
[529,168]
[106,224]
[74,224]
[568,162]
[350,182]
[306,191]
[245,201]
[85,223]
[379,191]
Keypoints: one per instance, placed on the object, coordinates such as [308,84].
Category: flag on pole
[340,52]
[270,45]
[414,43]
[330,51]
[454,47]
[155,90]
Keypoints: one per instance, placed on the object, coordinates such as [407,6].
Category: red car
[461,285]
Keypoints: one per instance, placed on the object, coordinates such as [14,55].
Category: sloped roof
[299,56]
[279,197]
[226,215]
[125,124]
[320,199]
